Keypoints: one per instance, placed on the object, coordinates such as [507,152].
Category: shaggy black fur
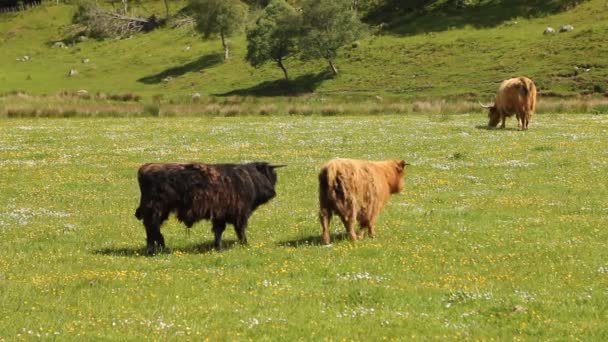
[222,193]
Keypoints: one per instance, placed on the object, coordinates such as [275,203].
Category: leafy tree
[327,26]
[274,36]
[257,3]
[264,3]
[223,17]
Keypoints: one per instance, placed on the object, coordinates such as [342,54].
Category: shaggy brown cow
[515,95]
[357,190]
[222,193]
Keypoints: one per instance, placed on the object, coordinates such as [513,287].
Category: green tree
[327,26]
[222,17]
[274,36]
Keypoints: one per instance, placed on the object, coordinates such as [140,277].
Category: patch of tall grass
[20,104]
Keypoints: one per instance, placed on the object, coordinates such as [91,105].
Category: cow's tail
[323,186]
[528,92]
[331,188]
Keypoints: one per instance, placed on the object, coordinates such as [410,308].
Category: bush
[152,109]
[599,88]
[231,110]
[267,109]
[331,110]
[600,109]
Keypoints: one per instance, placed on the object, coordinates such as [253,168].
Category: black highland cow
[222,193]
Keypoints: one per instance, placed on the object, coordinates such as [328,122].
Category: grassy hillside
[435,53]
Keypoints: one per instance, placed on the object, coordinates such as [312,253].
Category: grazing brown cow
[515,95]
[222,193]
[357,190]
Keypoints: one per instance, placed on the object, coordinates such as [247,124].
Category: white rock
[566,28]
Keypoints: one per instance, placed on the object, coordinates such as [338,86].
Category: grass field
[500,234]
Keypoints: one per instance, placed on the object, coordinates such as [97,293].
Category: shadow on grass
[301,85]
[206,247]
[195,248]
[125,252]
[312,240]
[415,17]
[204,62]
[488,128]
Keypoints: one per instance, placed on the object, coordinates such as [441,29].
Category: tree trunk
[333,67]
[126,3]
[280,63]
[225,45]
[167,8]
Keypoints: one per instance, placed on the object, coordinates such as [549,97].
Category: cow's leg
[349,223]
[362,232]
[160,239]
[325,218]
[368,227]
[503,119]
[526,121]
[363,228]
[520,120]
[371,227]
[150,228]
[218,229]
[240,229]
[153,236]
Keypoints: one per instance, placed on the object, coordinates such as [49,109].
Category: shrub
[302,110]
[152,109]
[331,110]
[231,110]
[267,109]
[211,109]
[600,109]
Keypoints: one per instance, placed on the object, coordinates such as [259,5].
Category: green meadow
[498,235]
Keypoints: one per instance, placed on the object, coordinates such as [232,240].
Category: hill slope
[434,54]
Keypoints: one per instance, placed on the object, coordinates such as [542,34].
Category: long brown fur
[514,96]
[357,190]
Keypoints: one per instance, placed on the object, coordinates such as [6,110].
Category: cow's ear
[262,167]
[401,165]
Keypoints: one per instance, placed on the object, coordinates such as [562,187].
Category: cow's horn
[484,106]
[278,166]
